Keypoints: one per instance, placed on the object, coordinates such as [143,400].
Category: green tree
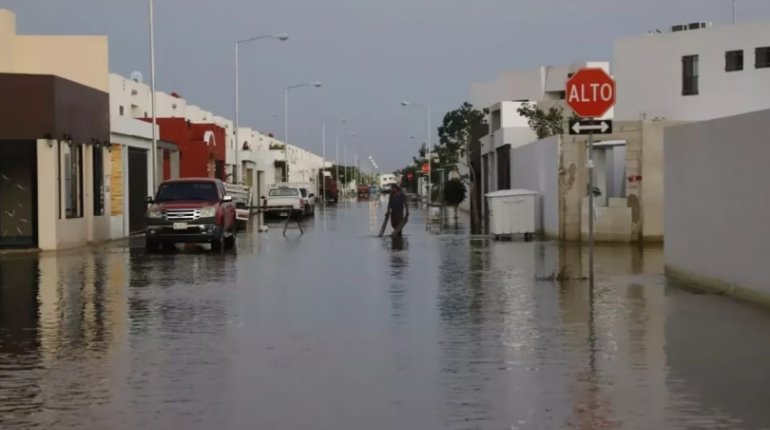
[459,135]
[543,123]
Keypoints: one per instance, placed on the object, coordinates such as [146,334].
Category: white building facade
[508,130]
[257,152]
[693,75]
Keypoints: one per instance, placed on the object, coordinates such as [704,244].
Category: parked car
[195,210]
[309,201]
[286,199]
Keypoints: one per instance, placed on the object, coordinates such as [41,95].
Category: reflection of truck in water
[363,191]
[330,189]
[386,180]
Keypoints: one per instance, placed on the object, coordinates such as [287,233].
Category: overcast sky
[370,55]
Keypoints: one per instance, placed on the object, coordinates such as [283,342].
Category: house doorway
[18,194]
[137,189]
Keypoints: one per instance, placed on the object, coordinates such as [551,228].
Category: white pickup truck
[242,199]
[282,200]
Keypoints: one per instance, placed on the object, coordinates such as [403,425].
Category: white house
[130,168]
[502,97]
[256,158]
[258,161]
[698,73]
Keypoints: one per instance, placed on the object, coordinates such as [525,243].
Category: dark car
[195,210]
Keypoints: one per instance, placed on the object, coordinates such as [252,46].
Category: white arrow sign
[601,127]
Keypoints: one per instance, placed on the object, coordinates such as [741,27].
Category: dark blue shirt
[397,204]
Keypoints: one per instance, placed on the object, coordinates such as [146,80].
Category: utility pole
[733,12]
[152,97]
[323,161]
[591,213]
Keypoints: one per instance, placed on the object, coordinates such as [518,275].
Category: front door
[137,189]
[18,194]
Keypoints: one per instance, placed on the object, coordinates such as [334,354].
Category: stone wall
[573,186]
[116,180]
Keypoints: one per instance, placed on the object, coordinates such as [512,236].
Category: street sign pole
[591,94]
[591,207]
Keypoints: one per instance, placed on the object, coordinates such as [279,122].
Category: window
[734,61]
[73,180]
[283,192]
[763,58]
[122,110]
[690,75]
[98,161]
[503,156]
[188,191]
[496,120]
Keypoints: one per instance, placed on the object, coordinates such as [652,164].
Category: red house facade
[201,148]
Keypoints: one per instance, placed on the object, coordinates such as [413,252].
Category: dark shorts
[395,220]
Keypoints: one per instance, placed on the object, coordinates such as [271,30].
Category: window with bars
[690,75]
[98,185]
[734,61]
[762,60]
[72,169]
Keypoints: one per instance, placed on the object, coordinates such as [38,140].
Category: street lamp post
[337,160]
[281,37]
[152,99]
[286,123]
[323,162]
[430,164]
[347,168]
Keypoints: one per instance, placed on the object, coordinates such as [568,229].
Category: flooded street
[338,329]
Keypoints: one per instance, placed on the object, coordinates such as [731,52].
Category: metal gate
[137,189]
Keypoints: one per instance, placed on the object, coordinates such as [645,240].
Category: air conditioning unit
[692,26]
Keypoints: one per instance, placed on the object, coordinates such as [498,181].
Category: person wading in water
[397,209]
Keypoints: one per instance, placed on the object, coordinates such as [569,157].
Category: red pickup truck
[194,210]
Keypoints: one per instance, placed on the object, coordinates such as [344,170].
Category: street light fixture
[315,84]
[282,37]
[427,115]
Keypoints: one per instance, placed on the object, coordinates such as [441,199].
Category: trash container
[514,212]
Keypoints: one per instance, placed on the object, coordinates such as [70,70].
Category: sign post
[590,93]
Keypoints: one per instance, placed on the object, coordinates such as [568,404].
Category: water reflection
[424,331]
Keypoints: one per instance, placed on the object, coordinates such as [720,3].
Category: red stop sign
[426,168]
[590,92]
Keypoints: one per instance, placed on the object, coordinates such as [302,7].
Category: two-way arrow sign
[582,126]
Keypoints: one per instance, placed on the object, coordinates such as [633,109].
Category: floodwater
[337,329]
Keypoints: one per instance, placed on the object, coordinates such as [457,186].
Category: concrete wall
[649,92]
[82,59]
[536,167]
[717,210]
[47,195]
[652,179]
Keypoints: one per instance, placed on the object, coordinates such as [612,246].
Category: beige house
[54,147]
